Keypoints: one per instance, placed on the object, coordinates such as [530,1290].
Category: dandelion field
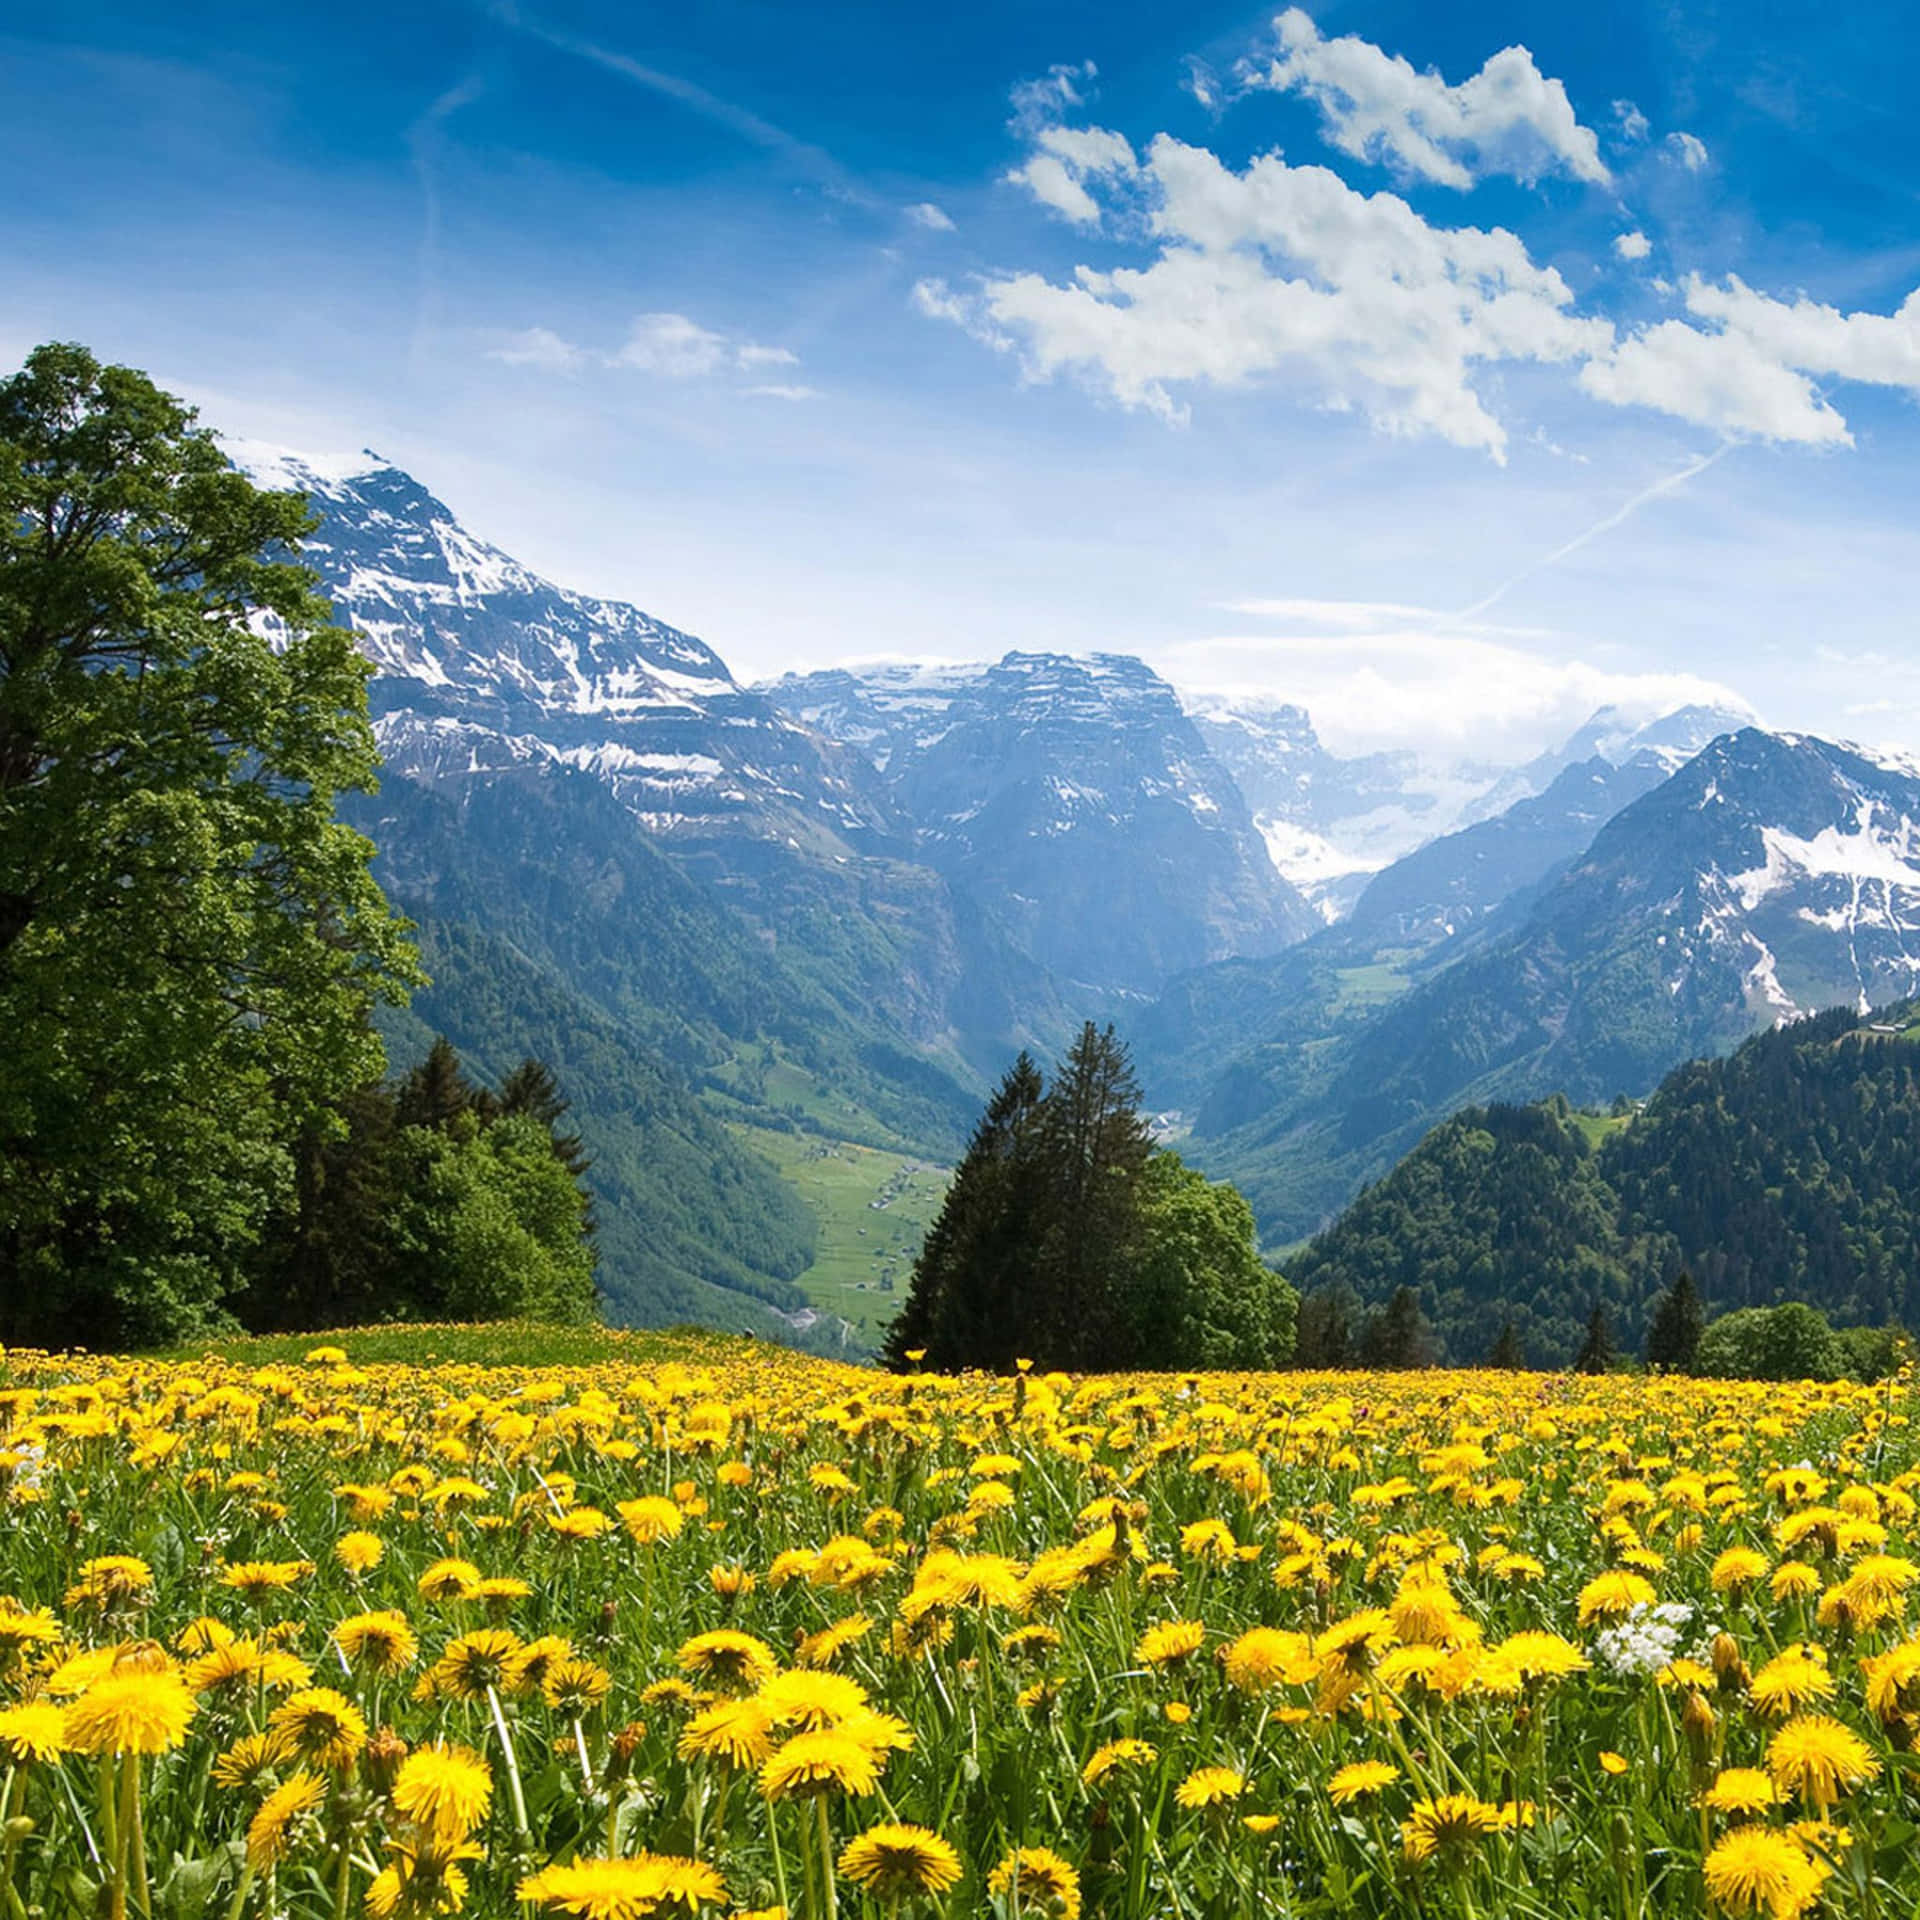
[737,1632]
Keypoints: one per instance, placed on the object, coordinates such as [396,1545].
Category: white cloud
[1286,273]
[668,345]
[672,345]
[781,393]
[1378,677]
[538,347]
[1283,269]
[1507,119]
[1630,122]
[1690,151]
[1038,103]
[1751,370]
[925,214]
[1068,158]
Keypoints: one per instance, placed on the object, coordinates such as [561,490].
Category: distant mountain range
[840,902]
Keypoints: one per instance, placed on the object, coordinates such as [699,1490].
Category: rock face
[484,667]
[1076,803]
[1332,823]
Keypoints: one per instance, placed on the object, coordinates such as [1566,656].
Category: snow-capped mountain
[1075,801]
[1772,876]
[1668,737]
[1332,823]
[484,667]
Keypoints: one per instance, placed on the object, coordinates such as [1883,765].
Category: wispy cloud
[669,346]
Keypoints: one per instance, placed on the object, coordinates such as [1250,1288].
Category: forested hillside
[1788,1170]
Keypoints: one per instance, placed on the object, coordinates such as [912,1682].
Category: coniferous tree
[1066,1238]
[1508,1355]
[963,1306]
[1398,1338]
[1597,1351]
[1093,1145]
[1673,1335]
[1326,1339]
[437,1092]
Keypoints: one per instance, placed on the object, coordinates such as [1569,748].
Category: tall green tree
[1198,1294]
[1597,1350]
[190,942]
[1398,1337]
[967,1302]
[1094,1144]
[1068,1239]
[1673,1334]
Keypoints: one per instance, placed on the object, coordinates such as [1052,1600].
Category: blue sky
[1451,370]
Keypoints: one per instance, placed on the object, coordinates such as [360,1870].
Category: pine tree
[1673,1335]
[1398,1337]
[1597,1351]
[1507,1354]
[964,1302]
[1093,1145]
[1326,1330]
[437,1093]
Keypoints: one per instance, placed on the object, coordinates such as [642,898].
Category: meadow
[371,1624]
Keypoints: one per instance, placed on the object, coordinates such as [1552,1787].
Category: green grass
[1596,1127]
[872,1209]
[517,1343]
[1358,988]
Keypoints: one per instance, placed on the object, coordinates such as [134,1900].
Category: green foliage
[435,1199]
[1068,1239]
[1790,1342]
[190,941]
[1673,1335]
[1790,1169]
[1201,1296]
[1597,1351]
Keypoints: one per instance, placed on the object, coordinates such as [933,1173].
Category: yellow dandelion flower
[900,1862]
[1819,1759]
[625,1889]
[1115,1755]
[359,1552]
[1359,1779]
[131,1713]
[1741,1790]
[323,1727]
[32,1733]
[444,1790]
[273,1834]
[727,1658]
[383,1642]
[1449,1828]
[1040,1881]
[815,1763]
[1170,1643]
[1610,1595]
[1210,1787]
[651,1519]
[1756,1870]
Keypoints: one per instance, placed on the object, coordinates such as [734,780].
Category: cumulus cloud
[1629,122]
[1690,150]
[1288,270]
[1508,118]
[1284,274]
[926,214]
[1751,369]
[1065,161]
[672,345]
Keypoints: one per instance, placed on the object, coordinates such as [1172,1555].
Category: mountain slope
[1789,1169]
[486,672]
[1773,875]
[1073,801]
